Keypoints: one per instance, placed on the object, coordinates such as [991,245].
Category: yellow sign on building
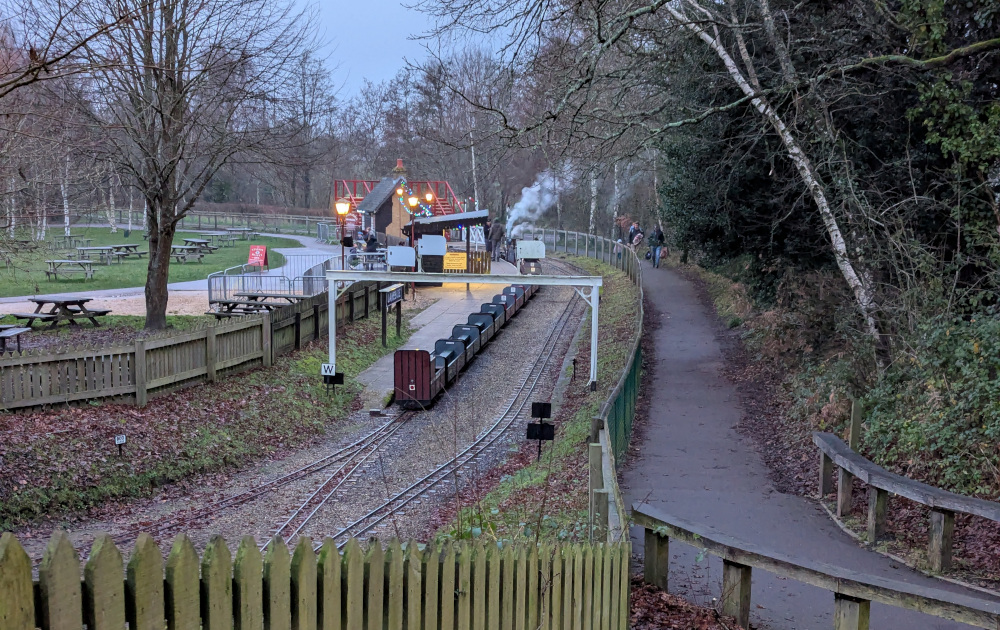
[455,261]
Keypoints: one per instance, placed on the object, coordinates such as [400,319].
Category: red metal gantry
[445,200]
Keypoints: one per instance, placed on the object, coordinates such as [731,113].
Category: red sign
[258,256]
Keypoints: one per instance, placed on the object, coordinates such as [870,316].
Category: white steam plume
[537,199]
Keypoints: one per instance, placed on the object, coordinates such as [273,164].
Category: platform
[451,307]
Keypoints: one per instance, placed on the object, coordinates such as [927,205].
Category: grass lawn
[27,276]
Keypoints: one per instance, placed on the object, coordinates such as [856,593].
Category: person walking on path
[489,243]
[656,245]
[497,232]
[632,231]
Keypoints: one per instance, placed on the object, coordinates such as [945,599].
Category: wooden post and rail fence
[852,592]
[460,586]
[163,363]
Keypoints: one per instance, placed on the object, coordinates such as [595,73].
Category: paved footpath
[693,464]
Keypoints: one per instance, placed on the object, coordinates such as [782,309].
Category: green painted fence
[461,586]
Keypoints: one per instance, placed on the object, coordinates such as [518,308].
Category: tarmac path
[694,464]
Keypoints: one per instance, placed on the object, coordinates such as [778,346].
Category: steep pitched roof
[378,196]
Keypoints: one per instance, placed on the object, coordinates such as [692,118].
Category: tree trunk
[64,190]
[13,209]
[161,238]
[593,201]
[862,293]
[130,206]
[111,210]
[616,200]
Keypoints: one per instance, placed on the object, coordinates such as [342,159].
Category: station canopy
[437,224]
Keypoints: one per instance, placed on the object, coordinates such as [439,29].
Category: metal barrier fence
[611,429]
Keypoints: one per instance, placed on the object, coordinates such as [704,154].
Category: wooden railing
[853,592]
[943,504]
[451,586]
[161,364]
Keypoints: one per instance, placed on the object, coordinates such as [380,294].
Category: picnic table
[183,253]
[9,331]
[68,241]
[246,304]
[261,296]
[103,252]
[61,309]
[125,250]
[245,232]
[59,268]
[203,245]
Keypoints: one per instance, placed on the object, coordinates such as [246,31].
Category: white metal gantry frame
[591,297]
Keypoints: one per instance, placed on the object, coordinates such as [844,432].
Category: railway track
[515,410]
[341,456]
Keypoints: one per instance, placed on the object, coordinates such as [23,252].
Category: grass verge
[59,460]
[547,499]
[27,275]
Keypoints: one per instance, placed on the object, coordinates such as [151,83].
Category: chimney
[400,169]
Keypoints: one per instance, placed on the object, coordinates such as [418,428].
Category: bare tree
[183,88]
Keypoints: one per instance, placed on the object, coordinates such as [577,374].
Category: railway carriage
[420,376]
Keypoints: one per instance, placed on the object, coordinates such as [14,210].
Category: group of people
[657,241]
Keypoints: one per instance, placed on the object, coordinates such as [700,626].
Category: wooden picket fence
[461,586]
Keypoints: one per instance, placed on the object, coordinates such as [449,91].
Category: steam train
[421,375]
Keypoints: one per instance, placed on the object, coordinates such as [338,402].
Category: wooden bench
[8,332]
[852,591]
[122,255]
[943,504]
[31,317]
[185,257]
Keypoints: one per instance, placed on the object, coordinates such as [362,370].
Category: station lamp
[343,206]
[429,197]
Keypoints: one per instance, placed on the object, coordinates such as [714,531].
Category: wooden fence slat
[59,585]
[248,587]
[414,584]
[507,588]
[181,587]
[463,591]
[103,588]
[375,600]
[557,575]
[494,607]
[532,568]
[611,567]
[600,594]
[520,588]
[217,586]
[480,568]
[394,585]
[304,585]
[567,585]
[17,600]
[577,587]
[277,586]
[432,574]
[588,587]
[354,580]
[448,590]
[544,587]
[328,608]
[625,552]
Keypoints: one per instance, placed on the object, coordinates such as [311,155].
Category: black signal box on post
[541,410]
[541,431]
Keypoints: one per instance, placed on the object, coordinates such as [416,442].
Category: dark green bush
[935,412]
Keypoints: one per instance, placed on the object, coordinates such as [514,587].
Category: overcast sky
[369,39]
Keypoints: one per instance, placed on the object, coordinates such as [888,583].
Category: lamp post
[343,206]
[413,201]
